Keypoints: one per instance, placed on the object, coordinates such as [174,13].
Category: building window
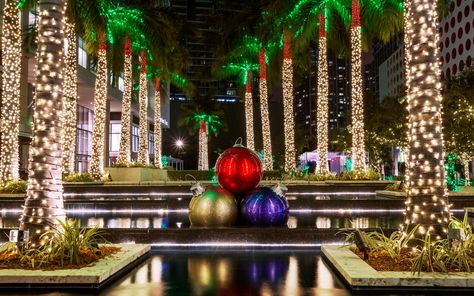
[151,143]
[114,137]
[135,137]
[81,53]
[120,82]
[84,138]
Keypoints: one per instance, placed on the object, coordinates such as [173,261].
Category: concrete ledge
[360,275]
[87,277]
[399,194]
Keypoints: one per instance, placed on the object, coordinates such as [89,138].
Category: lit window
[115,129]
[120,82]
[81,53]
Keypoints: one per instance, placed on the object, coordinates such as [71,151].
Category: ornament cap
[238,143]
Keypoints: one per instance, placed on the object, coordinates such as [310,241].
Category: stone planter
[361,276]
[137,174]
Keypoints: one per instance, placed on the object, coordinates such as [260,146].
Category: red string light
[263,64]
[356,14]
[128,47]
[286,48]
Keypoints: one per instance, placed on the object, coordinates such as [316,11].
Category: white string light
[426,203]
[126,117]
[100,112]
[143,155]
[322,100]
[10,110]
[157,124]
[203,160]
[249,112]
[357,108]
[69,100]
[288,114]
[267,139]
[44,202]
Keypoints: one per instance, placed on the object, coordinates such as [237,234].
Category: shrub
[132,165]
[272,175]
[14,186]
[182,175]
[79,177]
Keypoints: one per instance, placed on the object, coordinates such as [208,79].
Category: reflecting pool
[261,272]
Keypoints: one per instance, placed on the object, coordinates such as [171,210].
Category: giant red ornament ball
[238,169]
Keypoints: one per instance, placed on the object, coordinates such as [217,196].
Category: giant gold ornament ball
[215,207]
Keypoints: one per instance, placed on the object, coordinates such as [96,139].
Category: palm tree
[207,125]
[263,89]
[157,124]
[201,115]
[288,114]
[126,120]
[44,201]
[426,203]
[243,67]
[143,154]
[10,105]
[322,103]
[100,111]
[69,99]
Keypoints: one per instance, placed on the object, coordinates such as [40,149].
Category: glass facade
[81,53]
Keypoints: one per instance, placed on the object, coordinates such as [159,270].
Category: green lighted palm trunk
[44,201]
[426,203]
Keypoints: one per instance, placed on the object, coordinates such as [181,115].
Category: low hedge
[181,175]
[14,186]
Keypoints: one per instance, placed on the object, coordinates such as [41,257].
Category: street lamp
[179,143]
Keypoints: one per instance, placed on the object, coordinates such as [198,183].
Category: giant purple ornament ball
[263,207]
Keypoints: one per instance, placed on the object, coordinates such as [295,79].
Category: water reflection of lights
[324,278]
[291,283]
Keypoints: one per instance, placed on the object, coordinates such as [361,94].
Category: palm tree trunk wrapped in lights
[126,120]
[267,140]
[69,100]
[143,156]
[288,116]
[249,112]
[322,103]
[357,100]
[10,105]
[426,203]
[44,202]
[100,109]
[203,161]
[157,124]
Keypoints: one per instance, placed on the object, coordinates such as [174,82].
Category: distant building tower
[457,38]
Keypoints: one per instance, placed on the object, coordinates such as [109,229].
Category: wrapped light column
[203,161]
[100,112]
[143,156]
[267,140]
[426,203]
[69,100]
[126,118]
[322,100]
[10,105]
[357,100]
[288,114]
[44,202]
[249,112]
[157,123]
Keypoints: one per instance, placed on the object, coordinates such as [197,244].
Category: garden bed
[93,276]
[360,275]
